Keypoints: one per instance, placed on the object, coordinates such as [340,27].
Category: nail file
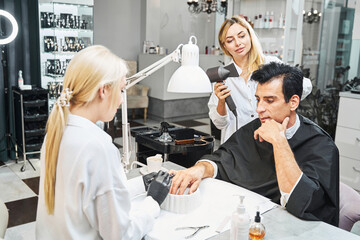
[223,224]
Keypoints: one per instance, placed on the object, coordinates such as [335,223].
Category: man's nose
[260,107]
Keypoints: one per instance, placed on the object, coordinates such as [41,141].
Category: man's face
[270,101]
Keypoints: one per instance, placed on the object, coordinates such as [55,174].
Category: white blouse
[92,199]
[243,95]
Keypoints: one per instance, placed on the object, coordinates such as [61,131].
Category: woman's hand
[221,91]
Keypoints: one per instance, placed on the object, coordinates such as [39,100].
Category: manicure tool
[196,231]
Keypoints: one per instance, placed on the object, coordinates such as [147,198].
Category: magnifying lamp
[188,78]
[15,27]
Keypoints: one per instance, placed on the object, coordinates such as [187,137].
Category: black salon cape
[248,163]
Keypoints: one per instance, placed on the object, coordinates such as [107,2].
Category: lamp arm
[134,79]
[131,81]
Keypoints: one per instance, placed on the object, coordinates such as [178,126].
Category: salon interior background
[124,25]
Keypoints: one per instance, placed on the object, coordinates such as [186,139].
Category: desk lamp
[188,78]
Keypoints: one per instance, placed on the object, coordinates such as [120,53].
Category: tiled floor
[19,190]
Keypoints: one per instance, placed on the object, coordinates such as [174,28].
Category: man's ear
[294,102]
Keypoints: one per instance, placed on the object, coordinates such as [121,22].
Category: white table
[281,225]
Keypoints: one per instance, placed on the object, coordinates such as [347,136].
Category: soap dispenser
[240,222]
[257,229]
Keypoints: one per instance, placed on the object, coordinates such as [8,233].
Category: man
[280,155]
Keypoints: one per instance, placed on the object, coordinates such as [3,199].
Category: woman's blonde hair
[256,57]
[90,69]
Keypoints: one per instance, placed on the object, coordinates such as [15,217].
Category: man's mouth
[263,119]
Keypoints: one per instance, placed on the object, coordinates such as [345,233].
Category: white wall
[119,25]
[169,23]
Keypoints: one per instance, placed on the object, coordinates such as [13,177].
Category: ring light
[14,25]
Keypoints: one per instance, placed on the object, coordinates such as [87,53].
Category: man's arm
[287,169]
[190,177]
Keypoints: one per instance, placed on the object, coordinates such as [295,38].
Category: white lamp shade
[189,78]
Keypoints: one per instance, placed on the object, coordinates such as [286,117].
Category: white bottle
[240,222]
[20,80]
[256,22]
[281,21]
[266,20]
[271,19]
[261,21]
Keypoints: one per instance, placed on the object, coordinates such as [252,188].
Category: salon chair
[4,219]
[349,212]
[137,97]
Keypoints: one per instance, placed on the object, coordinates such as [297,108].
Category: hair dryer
[219,74]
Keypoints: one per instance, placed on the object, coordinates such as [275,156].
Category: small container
[257,229]
[20,80]
[240,222]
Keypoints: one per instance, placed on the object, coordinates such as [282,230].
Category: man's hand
[188,178]
[271,131]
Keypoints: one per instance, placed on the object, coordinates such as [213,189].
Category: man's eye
[270,101]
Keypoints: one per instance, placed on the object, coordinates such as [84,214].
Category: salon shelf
[59,53]
[276,28]
[84,9]
[34,132]
[35,103]
[77,30]
[30,117]
[342,50]
[35,117]
[54,75]
[33,147]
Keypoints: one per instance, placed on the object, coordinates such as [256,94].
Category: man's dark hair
[292,78]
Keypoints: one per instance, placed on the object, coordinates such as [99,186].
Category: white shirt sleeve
[213,164]
[285,196]
[219,121]
[115,221]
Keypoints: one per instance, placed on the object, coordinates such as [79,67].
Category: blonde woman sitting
[83,188]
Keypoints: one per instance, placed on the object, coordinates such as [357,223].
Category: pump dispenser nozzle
[241,208]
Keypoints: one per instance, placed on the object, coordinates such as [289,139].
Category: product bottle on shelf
[240,222]
[20,80]
[256,22]
[206,50]
[261,21]
[266,20]
[281,21]
[212,50]
[257,229]
[271,20]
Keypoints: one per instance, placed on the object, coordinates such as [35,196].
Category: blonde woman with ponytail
[83,188]
[238,40]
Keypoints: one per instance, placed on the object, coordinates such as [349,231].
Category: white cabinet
[66,27]
[348,138]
